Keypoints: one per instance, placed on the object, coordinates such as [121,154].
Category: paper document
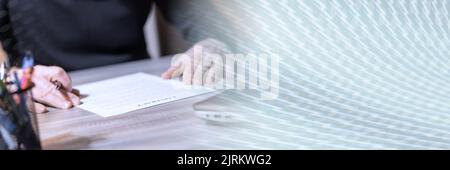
[132,92]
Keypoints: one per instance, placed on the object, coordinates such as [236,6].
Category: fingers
[46,93]
[191,67]
[176,68]
[74,99]
[197,78]
[187,73]
[53,73]
[200,74]
[208,79]
[212,75]
[172,72]
[56,99]
[194,63]
[208,62]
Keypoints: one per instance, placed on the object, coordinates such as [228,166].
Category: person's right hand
[45,92]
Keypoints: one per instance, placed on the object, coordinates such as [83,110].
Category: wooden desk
[168,126]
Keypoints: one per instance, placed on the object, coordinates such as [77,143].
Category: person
[71,34]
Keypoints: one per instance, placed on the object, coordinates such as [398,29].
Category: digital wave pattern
[354,74]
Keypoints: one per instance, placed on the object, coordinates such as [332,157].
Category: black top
[75,34]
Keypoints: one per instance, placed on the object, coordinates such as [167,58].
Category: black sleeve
[7,39]
[196,19]
[178,14]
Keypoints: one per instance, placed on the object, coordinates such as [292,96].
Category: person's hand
[200,65]
[45,93]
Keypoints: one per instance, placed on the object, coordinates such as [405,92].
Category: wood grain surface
[167,126]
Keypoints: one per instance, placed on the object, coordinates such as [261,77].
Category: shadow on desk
[69,141]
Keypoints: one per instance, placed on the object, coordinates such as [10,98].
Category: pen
[61,89]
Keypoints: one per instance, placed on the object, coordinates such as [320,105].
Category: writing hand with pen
[52,87]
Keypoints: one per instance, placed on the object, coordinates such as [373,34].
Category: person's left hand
[200,65]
